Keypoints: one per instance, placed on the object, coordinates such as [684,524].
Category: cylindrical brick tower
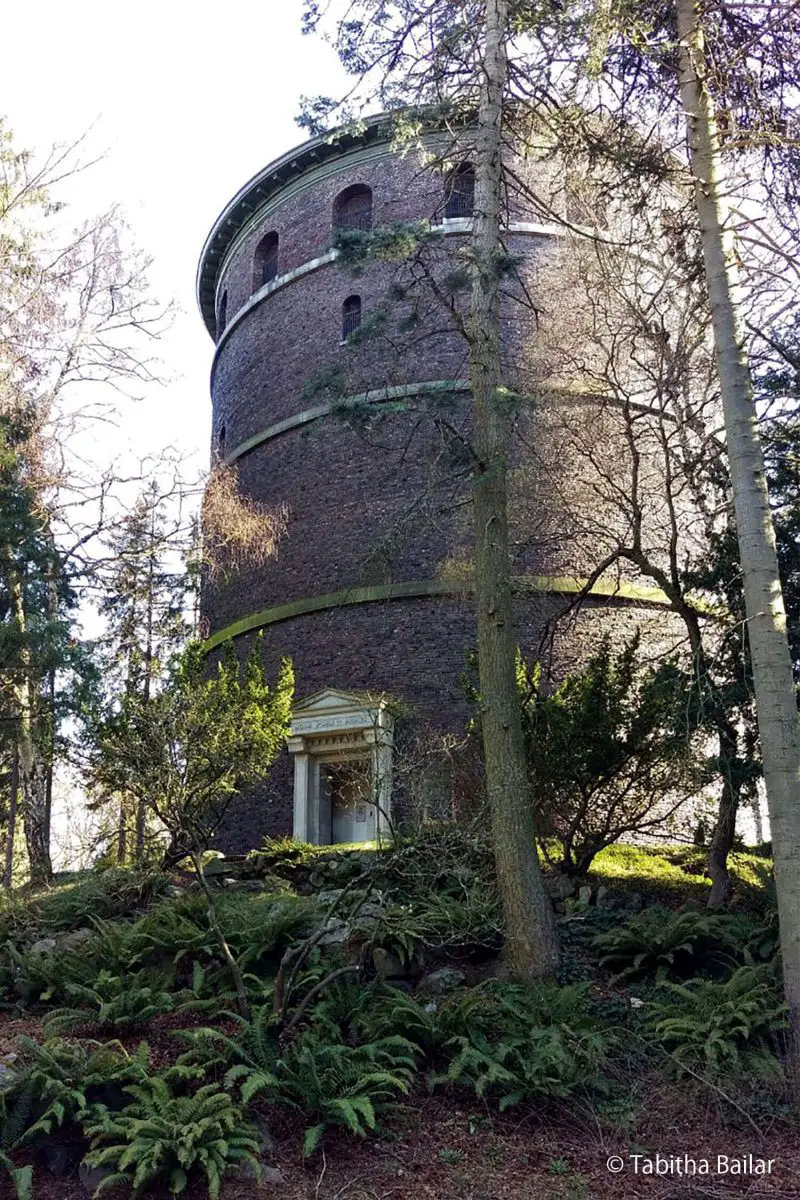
[340,390]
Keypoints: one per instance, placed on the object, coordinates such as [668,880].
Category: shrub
[668,943]
[722,1027]
[610,751]
[60,1081]
[520,1042]
[113,1002]
[160,1137]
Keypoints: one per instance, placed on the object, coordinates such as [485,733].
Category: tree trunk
[8,866]
[32,764]
[725,828]
[122,832]
[766,619]
[531,948]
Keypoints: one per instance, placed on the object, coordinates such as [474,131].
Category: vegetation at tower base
[185,752]
[379,1009]
[611,752]
[659,51]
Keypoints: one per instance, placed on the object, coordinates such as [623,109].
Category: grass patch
[676,874]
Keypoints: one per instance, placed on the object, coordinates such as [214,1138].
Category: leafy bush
[668,943]
[60,1081]
[605,748]
[520,1042]
[160,1137]
[113,1002]
[728,1027]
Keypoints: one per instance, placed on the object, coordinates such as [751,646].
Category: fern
[722,1027]
[21,1177]
[39,976]
[161,1137]
[249,1056]
[519,1043]
[656,941]
[342,1085]
[113,1002]
[61,1080]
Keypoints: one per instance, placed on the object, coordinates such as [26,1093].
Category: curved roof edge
[269,180]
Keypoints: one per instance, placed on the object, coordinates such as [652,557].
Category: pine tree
[143,603]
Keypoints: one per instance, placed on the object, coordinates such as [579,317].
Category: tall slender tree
[450,63]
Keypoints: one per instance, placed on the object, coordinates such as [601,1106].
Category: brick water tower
[340,390]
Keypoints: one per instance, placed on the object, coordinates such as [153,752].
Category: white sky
[187,101]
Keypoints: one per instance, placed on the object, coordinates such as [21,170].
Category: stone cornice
[262,187]
[415,589]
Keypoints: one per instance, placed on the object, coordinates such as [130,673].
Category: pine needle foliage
[728,1028]
[520,1042]
[163,1138]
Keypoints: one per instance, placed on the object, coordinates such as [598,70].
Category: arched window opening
[351,316]
[222,315]
[265,264]
[459,192]
[221,442]
[353,208]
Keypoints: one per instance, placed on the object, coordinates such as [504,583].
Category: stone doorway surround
[334,726]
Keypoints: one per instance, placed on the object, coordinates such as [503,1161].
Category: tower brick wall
[378,494]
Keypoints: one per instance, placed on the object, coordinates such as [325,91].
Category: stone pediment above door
[331,709]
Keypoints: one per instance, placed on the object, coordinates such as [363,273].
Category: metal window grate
[266,260]
[351,316]
[460,193]
[353,208]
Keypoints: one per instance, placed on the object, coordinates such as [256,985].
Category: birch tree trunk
[531,949]
[766,619]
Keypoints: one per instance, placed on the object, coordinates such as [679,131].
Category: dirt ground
[437,1150]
